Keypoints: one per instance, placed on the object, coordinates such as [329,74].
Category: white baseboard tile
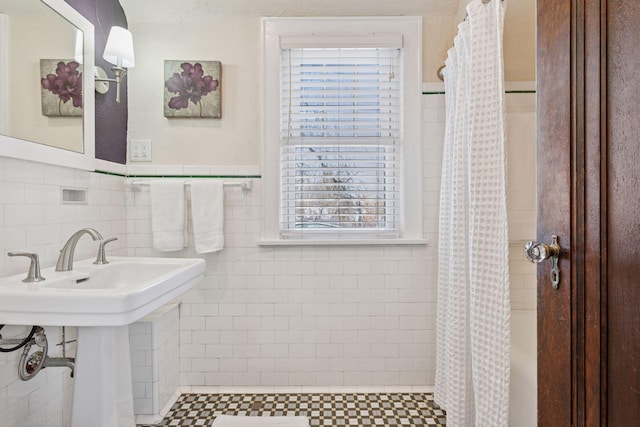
[303,389]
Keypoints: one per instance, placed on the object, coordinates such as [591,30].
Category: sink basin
[100,300]
[114,294]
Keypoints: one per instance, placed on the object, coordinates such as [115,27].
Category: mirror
[44,43]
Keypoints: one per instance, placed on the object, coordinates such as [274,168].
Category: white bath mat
[243,421]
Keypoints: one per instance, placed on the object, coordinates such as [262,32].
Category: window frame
[352,30]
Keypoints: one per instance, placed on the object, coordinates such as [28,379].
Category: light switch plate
[140,150]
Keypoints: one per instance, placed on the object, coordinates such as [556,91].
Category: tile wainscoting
[265,316]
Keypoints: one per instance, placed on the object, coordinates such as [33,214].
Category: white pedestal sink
[102,394]
[100,300]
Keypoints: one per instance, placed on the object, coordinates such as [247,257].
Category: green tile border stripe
[194,176]
[178,176]
[110,173]
[507,91]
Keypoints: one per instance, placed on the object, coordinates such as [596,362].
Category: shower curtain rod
[440,71]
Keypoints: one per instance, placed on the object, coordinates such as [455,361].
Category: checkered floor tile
[344,409]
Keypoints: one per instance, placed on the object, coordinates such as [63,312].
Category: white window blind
[340,134]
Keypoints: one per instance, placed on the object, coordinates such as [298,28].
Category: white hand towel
[167,215]
[207,210]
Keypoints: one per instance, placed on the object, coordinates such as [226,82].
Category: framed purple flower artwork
[61,87]
[192,89]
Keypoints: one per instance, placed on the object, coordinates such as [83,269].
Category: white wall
[155,349]
[311,316]
[230,32]
[519,38]
[324,316]
[521,206]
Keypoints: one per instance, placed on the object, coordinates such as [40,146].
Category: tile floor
[341,409]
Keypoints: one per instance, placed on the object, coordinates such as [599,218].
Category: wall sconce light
[119,52]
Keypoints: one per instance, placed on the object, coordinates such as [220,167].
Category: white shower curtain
[473,332]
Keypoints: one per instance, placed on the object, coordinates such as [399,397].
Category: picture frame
[192,89]
[61,87]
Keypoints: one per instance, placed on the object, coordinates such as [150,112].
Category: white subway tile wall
[265,316]
[338,315]
[32,219]
[290,316]
[521,196]
[154,342]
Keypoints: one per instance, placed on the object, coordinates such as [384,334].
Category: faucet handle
[102,256]
[34,268]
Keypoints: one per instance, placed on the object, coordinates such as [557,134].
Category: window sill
[342,242]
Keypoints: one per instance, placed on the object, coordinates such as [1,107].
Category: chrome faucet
[65,260]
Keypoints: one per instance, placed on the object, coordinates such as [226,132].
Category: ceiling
[196,9]
[337,7]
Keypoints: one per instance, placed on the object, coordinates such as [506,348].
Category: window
[340,129]
[341,133]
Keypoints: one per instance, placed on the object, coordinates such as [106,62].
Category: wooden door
[589,195]
[554,150]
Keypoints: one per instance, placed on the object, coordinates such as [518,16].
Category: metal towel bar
[246,185]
